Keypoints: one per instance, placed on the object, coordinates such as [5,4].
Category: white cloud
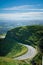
[25,7]
[22,16]
[19,7]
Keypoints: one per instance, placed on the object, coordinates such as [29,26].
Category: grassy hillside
[26,34]
[9,46]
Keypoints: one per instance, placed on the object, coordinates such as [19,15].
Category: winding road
[29,54]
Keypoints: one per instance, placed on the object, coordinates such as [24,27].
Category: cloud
[22,16]
[19,7]
[25,7]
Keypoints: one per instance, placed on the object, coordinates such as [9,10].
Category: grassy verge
[24,50]
[9,61]
[15,52]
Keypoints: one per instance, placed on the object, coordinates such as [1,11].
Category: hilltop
[26,34]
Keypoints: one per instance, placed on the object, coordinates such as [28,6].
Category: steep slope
[26,34]
[10,48]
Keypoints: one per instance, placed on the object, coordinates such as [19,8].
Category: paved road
[30,53]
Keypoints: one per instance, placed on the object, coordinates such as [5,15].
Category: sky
[21,10]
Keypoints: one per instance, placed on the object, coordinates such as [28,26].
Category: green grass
[12,49]
[9,61]
[26,34]
[17,51]
[9,47]
[37,59]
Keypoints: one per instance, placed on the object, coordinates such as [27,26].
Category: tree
[40,45]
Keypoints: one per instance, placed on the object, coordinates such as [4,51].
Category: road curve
[29,55]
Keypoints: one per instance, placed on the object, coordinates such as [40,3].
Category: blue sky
[11,3]
[21,9]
